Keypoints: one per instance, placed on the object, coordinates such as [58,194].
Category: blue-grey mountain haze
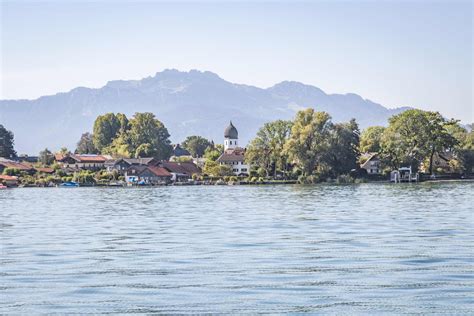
[188,103]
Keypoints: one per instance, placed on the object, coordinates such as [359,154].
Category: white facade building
[233,156]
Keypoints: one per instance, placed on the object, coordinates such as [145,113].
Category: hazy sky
[395,53]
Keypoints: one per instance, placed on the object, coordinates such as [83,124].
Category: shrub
[84,177]
[12,172]
[27,180]
[344,178]
[309,179]
[61,173]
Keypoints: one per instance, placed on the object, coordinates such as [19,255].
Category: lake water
[368,248]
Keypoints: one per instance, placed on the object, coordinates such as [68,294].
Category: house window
[244,169]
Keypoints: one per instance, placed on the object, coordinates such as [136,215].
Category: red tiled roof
[190,167]
[159,171]
[59,157]
[173,167]
[234,154]
[89,158]
[8,178]
[45,170]
[15,165]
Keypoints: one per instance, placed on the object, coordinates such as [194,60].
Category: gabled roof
[446,156]
[178,151]
[8,178]
[89,158]
[138,161]
[7,163]
[190,167]
[187,168]
[372,156]
[45,170]
[159,171]
[235,154]
[60,157]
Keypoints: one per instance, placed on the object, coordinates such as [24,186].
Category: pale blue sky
[396,53]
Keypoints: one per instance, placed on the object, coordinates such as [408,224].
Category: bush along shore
[309,149]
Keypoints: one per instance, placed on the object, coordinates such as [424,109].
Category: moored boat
[69,184]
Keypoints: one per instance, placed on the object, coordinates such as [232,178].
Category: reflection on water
[369,248]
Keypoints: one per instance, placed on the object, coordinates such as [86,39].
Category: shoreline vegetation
[306,150]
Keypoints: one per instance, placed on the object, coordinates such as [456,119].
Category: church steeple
[231,136]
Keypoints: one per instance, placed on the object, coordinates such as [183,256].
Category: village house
[27,159]
[85,162]
[152,175]
[180,171]
[123,164]
[9,181]
[179,152]
[441,163]
[7,163]
[372,163]
[233,156]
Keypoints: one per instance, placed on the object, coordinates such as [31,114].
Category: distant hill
[188,103]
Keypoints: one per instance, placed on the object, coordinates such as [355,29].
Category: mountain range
[188,103]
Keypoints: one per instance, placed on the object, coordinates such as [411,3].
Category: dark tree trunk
[431,161]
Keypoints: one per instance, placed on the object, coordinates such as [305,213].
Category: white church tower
[231,137]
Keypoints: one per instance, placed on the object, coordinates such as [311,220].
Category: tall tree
[46,157]
[86,145]
[415,135]
[6,143]
[120,147]
[266,150]
[371,138]
[107,127]
[146,129]
[214,152]
[343,150]
[464,149]
[308,140]
[196,145]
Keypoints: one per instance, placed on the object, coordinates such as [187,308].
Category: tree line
[313,147]
[310,146]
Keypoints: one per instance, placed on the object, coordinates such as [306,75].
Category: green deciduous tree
[309,139]
[214,152]
[6,143]
[145,150]
[120,147]
[266,150]
[343,150]
[107,127]
[86,145]
[146,129]
[371,138]
[214,169]
[464,149]
[415,135]
[196,145]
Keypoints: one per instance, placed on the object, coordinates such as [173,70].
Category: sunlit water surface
[369,248]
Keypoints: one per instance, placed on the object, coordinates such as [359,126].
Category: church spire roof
[231,132]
